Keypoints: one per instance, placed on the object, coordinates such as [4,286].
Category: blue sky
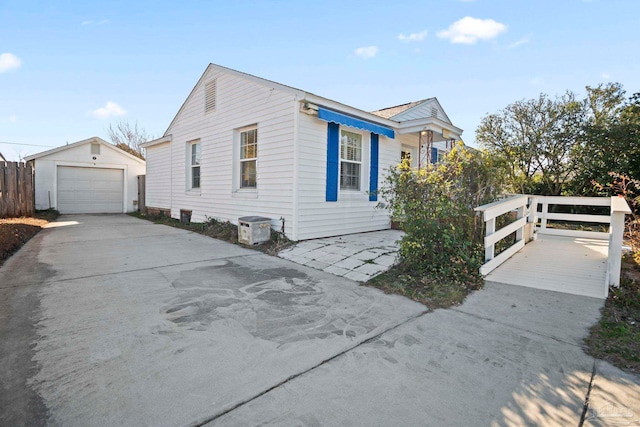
[70,68]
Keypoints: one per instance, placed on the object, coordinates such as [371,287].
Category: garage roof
[93,140]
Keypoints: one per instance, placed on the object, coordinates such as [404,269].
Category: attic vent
[210,96]
[434,111]
[95,148]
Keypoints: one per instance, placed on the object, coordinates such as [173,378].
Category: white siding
[46,170]
[158,180]
[422,111]
[352,213]
[240,102]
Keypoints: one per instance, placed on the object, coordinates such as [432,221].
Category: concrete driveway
[110,320]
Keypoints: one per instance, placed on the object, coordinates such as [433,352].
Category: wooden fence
[142,204]
[17,190]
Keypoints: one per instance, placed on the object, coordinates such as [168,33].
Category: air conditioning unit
[253,230]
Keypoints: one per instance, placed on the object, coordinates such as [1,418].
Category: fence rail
[16,190]
[546,216]
[490,212]
[522,204]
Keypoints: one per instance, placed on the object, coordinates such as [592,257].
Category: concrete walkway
[110,320]
[358,257]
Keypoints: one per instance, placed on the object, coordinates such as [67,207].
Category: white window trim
[361,195]
[238,191]
[365,141]
[190,166]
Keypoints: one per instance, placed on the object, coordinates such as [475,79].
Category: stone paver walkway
[357,257]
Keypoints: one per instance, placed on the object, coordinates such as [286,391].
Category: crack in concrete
[515,327]
[204,421]
[586,398]
[131,271]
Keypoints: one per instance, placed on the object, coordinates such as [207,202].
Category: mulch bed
[15,232]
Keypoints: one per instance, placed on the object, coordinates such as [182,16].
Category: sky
[69,69]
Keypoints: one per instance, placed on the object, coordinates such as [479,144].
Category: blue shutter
[333,157]
[373,174]
[434,155]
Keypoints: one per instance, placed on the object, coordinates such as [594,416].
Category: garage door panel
[90,190]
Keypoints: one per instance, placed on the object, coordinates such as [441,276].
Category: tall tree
[611,142]
[129,138]
[535,139]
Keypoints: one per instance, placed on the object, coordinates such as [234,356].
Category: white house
[89,176]
[242,145]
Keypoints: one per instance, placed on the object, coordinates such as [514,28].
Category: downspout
[296,125]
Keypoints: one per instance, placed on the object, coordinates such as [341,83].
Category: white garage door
[90,190]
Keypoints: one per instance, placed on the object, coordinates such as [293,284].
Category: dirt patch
[221,230]
[431,291]
[15,232]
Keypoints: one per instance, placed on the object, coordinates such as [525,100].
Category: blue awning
[342,119]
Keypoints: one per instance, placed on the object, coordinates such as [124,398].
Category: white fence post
[619,208]
[520,214]
[543,220]
[532,219]
[489,250]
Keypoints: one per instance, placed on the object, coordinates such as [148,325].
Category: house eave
[429,123]
[158,141]
[343,108]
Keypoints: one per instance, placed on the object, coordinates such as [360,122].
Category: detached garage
[89,176]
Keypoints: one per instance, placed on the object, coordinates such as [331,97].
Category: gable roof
[392,116]
[415,110]
[301,94]
[2,159]
[390,112]
[93,140]
[256,79]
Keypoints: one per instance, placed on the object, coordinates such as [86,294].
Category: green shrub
[443,236]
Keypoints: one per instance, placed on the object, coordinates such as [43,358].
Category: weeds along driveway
[110,320]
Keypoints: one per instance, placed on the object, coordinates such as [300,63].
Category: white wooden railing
[492,211]
[526,226]
[546,216]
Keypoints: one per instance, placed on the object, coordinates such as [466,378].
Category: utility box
[253,230]
[185,216]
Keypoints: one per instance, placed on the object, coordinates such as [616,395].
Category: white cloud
[469,30]
[526,39]
[13,118]
[111,109]
[367,52]
[413,37]
[606,76]
[8,61]
[92,22]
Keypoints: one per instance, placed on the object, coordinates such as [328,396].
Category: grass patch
[434,292]
[221,230]
[15,232]
[616,337]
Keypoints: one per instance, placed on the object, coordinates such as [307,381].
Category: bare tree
[129,138]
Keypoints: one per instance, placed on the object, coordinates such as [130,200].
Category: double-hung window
[194,164]
[350,160]
[248,158]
